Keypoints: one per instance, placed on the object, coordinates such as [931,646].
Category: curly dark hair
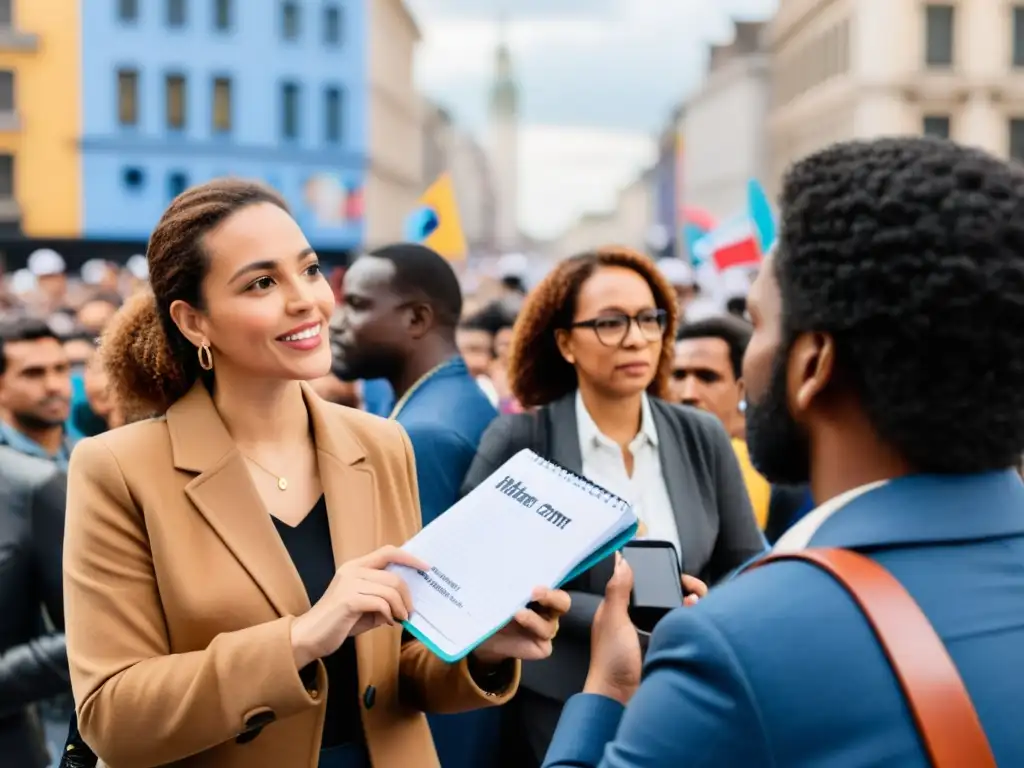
[150,363]
[909,252]
[537,372]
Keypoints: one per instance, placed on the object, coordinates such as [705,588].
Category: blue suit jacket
[445,419]
[778,667]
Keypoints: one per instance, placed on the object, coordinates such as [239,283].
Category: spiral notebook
[531,523]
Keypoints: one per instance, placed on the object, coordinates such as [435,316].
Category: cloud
[567,171]
[493,9]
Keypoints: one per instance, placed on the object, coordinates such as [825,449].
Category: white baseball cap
[23,282]
[46,262]
[736,282]
[676,271]
[93,271]
[138,267]
[513,265]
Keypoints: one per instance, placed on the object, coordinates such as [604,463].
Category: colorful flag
[733,243]
[761,215]
[435,223]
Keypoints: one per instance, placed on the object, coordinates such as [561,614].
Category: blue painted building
[176,92]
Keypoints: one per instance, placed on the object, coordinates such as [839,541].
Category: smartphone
[657,581]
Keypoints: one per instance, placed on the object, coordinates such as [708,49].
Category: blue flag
[761,215]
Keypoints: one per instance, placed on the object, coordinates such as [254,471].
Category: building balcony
[10,121]
[10,211]
[935,84]
[12,39]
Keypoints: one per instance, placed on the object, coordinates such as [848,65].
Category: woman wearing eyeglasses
[591,353]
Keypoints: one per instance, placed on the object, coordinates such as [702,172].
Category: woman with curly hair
[592,353]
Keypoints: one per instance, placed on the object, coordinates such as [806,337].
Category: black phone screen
[657,581]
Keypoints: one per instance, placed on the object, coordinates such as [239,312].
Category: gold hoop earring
[205,357]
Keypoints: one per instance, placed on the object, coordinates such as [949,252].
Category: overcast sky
[597,78]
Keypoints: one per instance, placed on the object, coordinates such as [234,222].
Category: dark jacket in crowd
[33,660]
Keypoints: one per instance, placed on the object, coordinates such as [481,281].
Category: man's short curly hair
[909,252]
[537,372]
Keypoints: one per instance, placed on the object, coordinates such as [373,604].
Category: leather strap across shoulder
[942,709]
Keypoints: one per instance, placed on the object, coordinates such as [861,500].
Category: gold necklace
[282,482]
[412,390]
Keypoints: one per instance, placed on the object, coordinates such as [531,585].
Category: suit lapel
[679,480]
[224,494]
[348,483]
[350,492]
[227,498]
[563,434]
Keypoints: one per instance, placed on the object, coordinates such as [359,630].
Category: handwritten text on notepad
[439,583]
[516,491]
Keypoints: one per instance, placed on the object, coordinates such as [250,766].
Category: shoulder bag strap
[942,709]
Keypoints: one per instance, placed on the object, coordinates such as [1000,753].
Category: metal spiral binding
[578,480]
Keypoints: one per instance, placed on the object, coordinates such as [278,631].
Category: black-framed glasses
[613,329]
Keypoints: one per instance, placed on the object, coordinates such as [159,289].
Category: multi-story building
[394,179]
[665,177]
[473,180]
[723,125]
[438,134]
[123,107]
[846,69]
[629,223]
[40,118]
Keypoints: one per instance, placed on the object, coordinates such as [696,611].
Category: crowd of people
[207,466]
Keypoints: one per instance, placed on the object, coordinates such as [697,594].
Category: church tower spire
[504,141]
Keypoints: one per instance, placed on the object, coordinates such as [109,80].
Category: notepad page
[525,526]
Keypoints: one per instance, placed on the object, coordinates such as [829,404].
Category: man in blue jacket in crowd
[402,305]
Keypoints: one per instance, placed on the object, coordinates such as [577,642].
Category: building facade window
[936,125]
[332,25]
[6,14]
[222,15]
[128,97]
[1017,139]
[176,13]
[290,21]
[133,179]
[222,105]
[290,98]
[1018,36]
[939,35]
[334,115]
[177,182]
[128,10]
[175,101]
[6,176]
[6,90]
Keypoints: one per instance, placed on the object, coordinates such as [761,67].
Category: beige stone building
[394,178]
[629,223]
[846,69]
[723,125]
[475,191]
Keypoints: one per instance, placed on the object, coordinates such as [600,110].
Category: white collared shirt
[604,464]
[799,536]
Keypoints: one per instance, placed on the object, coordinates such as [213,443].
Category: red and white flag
[733,243]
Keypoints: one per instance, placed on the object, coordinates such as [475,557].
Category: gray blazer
[716,524]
